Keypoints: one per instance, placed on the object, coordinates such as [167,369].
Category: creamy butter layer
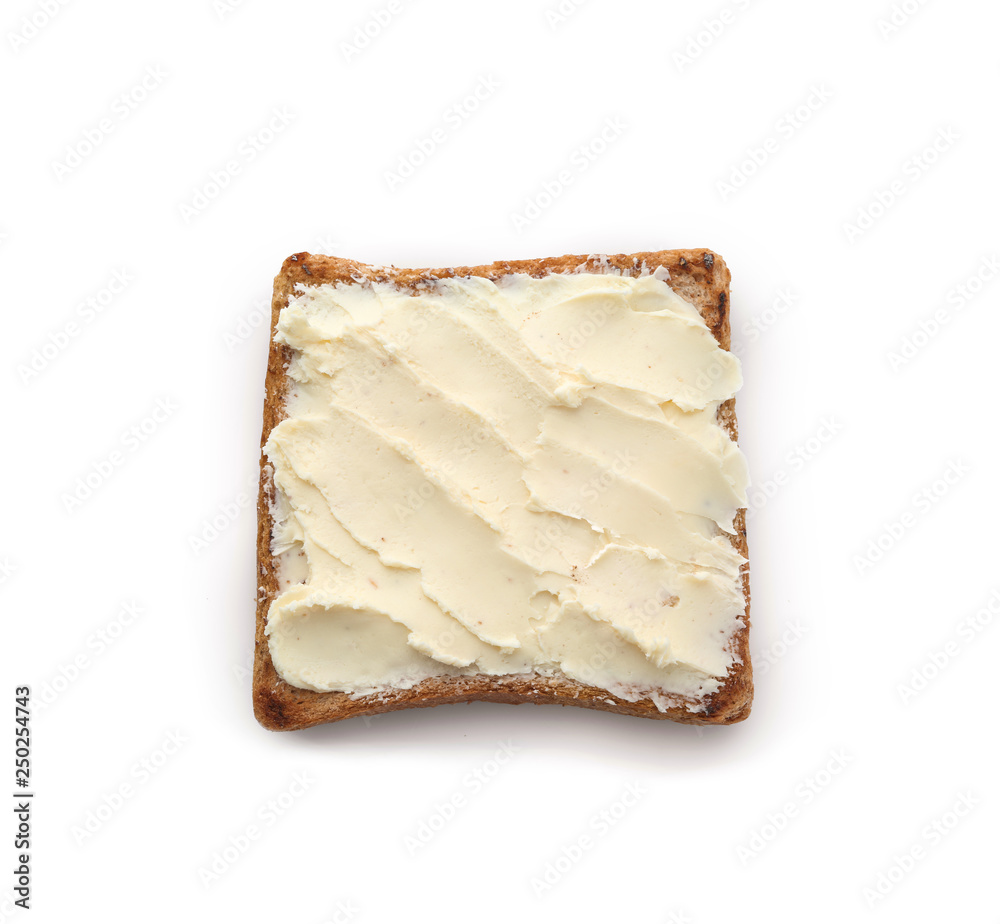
[506,478]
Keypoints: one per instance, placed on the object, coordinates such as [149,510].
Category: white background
[843,441]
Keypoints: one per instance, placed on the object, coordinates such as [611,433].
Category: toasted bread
[703,279]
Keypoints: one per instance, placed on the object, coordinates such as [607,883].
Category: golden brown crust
[699,275]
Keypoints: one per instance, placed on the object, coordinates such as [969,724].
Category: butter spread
[520,477]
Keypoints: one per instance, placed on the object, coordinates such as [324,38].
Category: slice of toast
[702,278]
